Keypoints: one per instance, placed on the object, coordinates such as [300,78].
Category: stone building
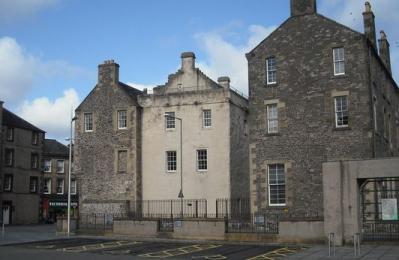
[21,146]
[212,162]
[318,91]
[107,152]
[127,150]
[55,167]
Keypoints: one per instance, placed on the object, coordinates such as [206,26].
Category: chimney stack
[385,52]
[224,82]
[187,61]
[108,72]
[369,24]
[302,7]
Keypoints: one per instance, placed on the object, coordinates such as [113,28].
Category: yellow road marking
[106,245]
[281,252]
[45,247]
[180,251]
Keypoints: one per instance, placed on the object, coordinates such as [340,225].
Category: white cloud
[349,13]
[19,70]
[227,59]
[11,10]
[53,116]
[141,86]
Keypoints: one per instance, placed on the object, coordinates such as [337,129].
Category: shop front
[57,206]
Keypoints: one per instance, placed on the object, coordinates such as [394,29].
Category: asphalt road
[89,248]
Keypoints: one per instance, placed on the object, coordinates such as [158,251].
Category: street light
[69,177]
[180,196]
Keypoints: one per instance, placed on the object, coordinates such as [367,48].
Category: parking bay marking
[281,252]
[106,245]
[179,251]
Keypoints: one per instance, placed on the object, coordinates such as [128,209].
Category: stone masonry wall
[96,152]
[305,90]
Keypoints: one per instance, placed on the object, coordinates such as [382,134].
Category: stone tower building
[318,91]
[108,145]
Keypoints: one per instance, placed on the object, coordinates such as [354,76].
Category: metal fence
[233,208]
[154,209]
[97,221]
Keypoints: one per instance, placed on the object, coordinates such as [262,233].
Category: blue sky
[50,49]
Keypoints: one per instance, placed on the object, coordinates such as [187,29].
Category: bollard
[331,244]
[356,244]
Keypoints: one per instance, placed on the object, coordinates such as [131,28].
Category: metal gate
[379,209]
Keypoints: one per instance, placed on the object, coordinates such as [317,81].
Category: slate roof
[53,147]
[12,120]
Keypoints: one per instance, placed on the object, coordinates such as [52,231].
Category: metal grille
[379,209]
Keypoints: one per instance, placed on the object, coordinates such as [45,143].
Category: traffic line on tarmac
[106,245]
[278,253]
[180,251]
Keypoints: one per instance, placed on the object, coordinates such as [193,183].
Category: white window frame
[47,183]
[63,166]
[73,187]
[272,118]
[122,119]
[340,61]
[60,186]
[170,121]
[276,184]
[168,155]
[88,122]
[341,111]
[271,69]
[207,118]
[198,160]
[35,184]
[47,168]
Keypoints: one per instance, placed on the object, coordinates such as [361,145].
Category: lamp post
[69,177]
[180,196]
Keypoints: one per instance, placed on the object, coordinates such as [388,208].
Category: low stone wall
[289,231]
[136,228]
[62,225]
[200,229]
[301,231]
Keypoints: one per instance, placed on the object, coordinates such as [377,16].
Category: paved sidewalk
[28,233]
[368,252]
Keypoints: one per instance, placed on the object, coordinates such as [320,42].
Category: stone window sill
[273,134]
[342,129]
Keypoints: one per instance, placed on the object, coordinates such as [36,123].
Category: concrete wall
[209,230]
[341,182]
[187,93]
[136,228]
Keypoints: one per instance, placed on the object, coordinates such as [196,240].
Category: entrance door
[379,209]
[6,214]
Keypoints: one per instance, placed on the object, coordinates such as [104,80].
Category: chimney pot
[224,82]
[188,61]
[108,72]
[369,25]
[303,7]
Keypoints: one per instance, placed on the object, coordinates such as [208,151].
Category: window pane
[171,161]
[60,166]
[271,70]
[170,120]
[122,119]
[341,111]
[276,184]
[339,61]
[272,118]
[207,118]
[88,122]
[202,160]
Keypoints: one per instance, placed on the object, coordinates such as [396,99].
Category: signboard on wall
[389,208]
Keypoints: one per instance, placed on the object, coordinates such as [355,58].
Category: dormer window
[271,71]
